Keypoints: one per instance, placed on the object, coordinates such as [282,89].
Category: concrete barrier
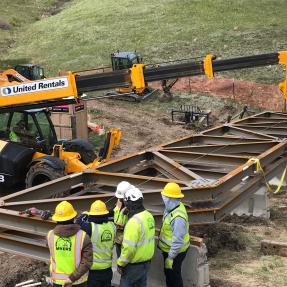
[195,271]
[257,205]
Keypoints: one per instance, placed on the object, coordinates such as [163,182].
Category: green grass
[85,33]
[20,14]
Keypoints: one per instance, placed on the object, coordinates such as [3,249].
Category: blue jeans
[135,275]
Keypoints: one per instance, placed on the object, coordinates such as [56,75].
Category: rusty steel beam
[223,149]
[240,132]
[23,246]
[213,169]
[204,158]
[173,167]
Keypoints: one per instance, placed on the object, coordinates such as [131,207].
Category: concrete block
[270,247]
[257,205]
[195,270]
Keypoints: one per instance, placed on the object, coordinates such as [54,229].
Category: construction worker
[120,213]
[174,239]
[138,242]
[102,233]
[71,251]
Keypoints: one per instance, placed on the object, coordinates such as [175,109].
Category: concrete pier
[195,271]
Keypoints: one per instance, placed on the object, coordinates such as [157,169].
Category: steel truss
[212,167]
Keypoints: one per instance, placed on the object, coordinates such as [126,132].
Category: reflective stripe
[169,242]
[51,236]
[166,241]
[170,218]
[142,241]
[125,260]
[102,260]
[78,249]
[95,239]
[138,219]
[135,244]
[60,276]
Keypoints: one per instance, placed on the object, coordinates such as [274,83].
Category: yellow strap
[281,180]
[259,168]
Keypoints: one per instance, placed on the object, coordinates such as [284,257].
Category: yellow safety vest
[65,256]
[139,239]
[120,220]
[103,238]
[165,236]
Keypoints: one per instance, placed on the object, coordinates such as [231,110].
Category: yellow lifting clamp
[207,65]
[137,77]
[283,61]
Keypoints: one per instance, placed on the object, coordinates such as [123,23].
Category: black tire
[40,173]
[84,148]
[87,156]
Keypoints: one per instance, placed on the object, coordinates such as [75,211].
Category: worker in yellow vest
[71,253]
[138,242]
[174,239]
[102,233]
[120,213]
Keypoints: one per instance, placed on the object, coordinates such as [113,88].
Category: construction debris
[187,114]
[270,247]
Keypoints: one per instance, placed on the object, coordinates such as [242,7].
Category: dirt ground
[234,253]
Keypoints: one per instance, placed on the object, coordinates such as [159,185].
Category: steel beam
[174,168]
[223,149]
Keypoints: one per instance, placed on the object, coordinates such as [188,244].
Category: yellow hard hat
[64,211]
[98,208]
[172,190]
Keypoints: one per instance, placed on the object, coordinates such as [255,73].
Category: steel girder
[212,167]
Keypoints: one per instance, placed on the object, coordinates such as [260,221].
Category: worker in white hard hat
[120,213]
[138,242]
[174,239]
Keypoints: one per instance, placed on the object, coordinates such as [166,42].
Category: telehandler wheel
[41,172]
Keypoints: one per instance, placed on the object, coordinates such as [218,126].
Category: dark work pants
[173,276]
[100,278]
[78,285]
[135,275]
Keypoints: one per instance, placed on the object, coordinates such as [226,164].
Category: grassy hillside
[86,32]
[17,15]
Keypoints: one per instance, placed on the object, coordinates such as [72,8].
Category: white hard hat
[133,194]
[122,188]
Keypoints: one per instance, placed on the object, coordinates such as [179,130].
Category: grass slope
[20,14]
[86,32]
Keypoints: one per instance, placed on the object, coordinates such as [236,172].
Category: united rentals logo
[33,87]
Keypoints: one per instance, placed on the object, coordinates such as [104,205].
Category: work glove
[120,269]
[48,280]
[168,263]
[68,283]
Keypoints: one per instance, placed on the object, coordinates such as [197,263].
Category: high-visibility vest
[65,256]
[103,238]
[120,220]
[165,236]
[139,239]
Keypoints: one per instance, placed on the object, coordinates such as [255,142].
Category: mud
[16,269]
[221,236]
[265,96]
